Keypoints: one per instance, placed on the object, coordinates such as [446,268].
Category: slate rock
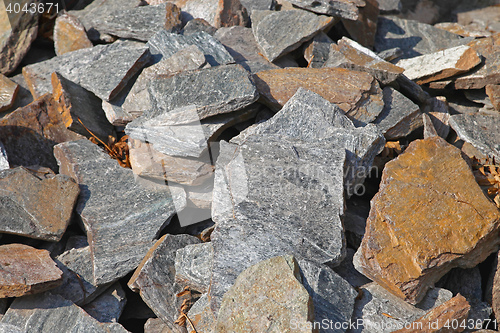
[408,255]
[7,328]
[164,45]
[47,313]
[439,112]
[201,315]
[156,325]
[18,31]
[198,25]
[173,18]
[493,92]
[256,300]
[26,270]
[346,9]
[375,304]
[480,131]
[440,65]
[470,30]
[23,96]
[4,162]
[429,129]
[279,33]
[193,264]
[250,5]
[120,60]
[8,92]
[80,109]
[347,271]
[204,9]
[25,210]
[69,34]
[108,306]
[399,117]
[390,6]
[30,133]
[316,50]
[109,204]
[413,37]
[231,13]
[155,277]
[364,28]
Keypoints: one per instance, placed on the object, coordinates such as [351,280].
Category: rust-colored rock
[428,217]
[493,92]
[450,316]
[363,29]
[8,92]
[30,133]
[69,34]
[231,13]
[26,270]
[173,22]
[350,90]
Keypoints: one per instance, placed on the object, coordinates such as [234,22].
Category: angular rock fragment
[8,92]
[316,51]
[155,277]
[429,130]
[421,243]
[111,203]
[164,45]
[493,92]
[25,210]
[255,301]
[348,9]
[204,9]
[399,117]
[18,31]
[439,111]
[156,325]
[69,34]
[173,22]
[30,133]
[480,130]
[198,25]
[24,96]
[193,265]
[80,109]
[250,5]
[26,270]
[120,60]
[201,315]
[279,33]
[47,313]
[364,28]
[412,37]
[440,65]
[108,306]
[349,54]
[231,13]
[4,162]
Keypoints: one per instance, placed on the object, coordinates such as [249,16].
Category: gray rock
[332,296]
[8,92]
[260,209]
[400,115]
[202,317]
[165,44]
[429,130]
[412,90]
[203,9]
[155,277]
[390,6]
[193,265]
[47,313]
[250,5]
[316,51]
[188,58]
[108,306]
[382,312]
[341,8]
[195,95]
[347,271]
[23,97]
[439,112]
[120,61]
[4,162]
[7,328]
[413,37]
[480,130]
[110,202]
[139,23]
[279,33]
[156,325]
[198,25]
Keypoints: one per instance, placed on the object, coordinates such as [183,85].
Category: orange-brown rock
[69,34]
[30,133]
[352,91]
[173,20]
[428,217]
[450,316]
[26,270]
[8,92]
[363,29]
[230,13]
[493,92]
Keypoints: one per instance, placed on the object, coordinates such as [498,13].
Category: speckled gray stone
[250,5]
[347,271]
[193,265]
[164,44]
[341,8]
[120,61]
[316,50]
[399,117]
[480,130]
[8,328]
[108,306]
[4,162]
[111,203]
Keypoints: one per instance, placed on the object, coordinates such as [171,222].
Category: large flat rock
[26,270]
[279,33]
[25,210]
[410,244]
[110,202]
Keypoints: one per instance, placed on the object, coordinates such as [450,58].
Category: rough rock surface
[199,9]
[193,265]
[24,209]
[248,306]
[110,202]
[26,270]
[493,92]
[408,254]
[279,33]
[250,5]
[364,28]
[346,9]
[69,34]
[8,92]
[316,51]
[480,130]
[108,306]
[231,13]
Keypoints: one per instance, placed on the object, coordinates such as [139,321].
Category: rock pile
[250,166]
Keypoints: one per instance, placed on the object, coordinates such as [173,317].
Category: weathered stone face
[428,217]
[8,92]
[69,35]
